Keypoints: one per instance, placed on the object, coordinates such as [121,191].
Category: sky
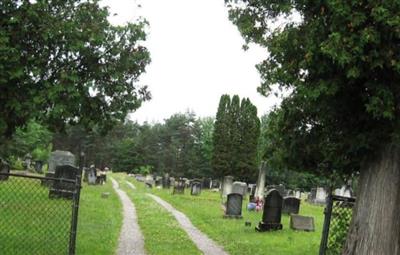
[196,55]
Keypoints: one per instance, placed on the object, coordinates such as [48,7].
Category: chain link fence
[33,220]
[338,214]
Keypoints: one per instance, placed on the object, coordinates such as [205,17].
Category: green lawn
[31,223]
[161,231]
[100,221]
[205,212]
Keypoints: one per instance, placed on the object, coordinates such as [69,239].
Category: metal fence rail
[338,214]
[32,220]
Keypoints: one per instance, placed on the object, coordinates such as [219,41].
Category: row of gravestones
[94,176]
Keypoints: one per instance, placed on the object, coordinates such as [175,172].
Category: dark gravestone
[46,182]
[304,223]
[206,183]
[61,188]
[179,187]
[234,206]
[39,166]
[291,205]
[195,188]
[271,218]
[4,169]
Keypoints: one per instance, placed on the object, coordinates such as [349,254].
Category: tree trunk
[375,227]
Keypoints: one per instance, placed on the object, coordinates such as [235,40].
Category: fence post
[75,208]
[327,222]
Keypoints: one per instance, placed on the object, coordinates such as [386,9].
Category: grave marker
[291,205]
[234,206]
[304,223]
[271,218]
[60,158]
[195,188]
[61,188]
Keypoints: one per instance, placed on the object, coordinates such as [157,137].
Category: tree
[63,62]
[221,141]
[235,138]
[340,62]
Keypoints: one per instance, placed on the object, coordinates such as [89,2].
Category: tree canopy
[63,62]
[339,59]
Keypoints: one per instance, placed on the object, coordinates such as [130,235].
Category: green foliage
[63,62]
[235,140]
[339,59]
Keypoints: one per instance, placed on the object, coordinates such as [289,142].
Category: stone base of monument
[262,227]
[233,216]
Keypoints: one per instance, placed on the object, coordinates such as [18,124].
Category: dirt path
[203,243]
[131,241]
[130,185]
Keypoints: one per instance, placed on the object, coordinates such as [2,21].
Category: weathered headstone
[92,175]
[227,186]
[291,205]
[234,206]
[27,161]
[165,181]
[260,186]
[320,196]
[297,194]
[346,191]
[304,223]
[149,181]
[4,169]
[61,188]
[216,184]
[252,191]
[60,158]
[179,187]
[206,183]
[239,188]
[195,188]
[271,218]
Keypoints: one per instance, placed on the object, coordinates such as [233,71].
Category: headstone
[149,181]
[165,181]
[297,194]
[60,158]
[61,188]
[312,195]
[4,169]
[260,186]
[304,223]
[234,206]
[291,205]
[320,196]
[271,218]
[195,188]
[39,166]
[239,188]
[207,182]
[346,191]
[92,175]
[227,186]
[215,184]
[158,181]
[252,191]
[179,187]
[27,161]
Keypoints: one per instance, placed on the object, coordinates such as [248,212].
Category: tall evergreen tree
[221,143]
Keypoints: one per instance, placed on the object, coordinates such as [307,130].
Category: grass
[31,223]
[205,212]
[100,220]
[162,233]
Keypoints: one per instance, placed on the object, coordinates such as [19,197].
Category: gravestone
[38,166]
[216,184]
[234,206]
[92,175]
[207,182]
[346,191]
[260,186]
[27,161]
[304,223]
[291,205]
[158,181]
[239,188]
[60,158]
[4,169]
[227,186]
[179,187]
[297,194]
[149,181]
[271,218]
[60,188]
[320,196]
[165,181]
[312,195]
[195,188]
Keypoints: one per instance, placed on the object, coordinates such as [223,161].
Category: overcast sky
[196,55]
